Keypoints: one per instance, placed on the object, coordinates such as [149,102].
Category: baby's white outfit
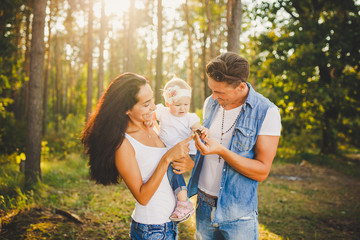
[174,129]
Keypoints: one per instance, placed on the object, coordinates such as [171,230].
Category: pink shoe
[182,212]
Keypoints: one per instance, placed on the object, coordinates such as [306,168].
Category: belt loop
[173,225]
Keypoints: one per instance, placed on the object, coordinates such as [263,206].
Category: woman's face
[144,109]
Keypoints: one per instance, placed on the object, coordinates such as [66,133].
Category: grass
[321,203]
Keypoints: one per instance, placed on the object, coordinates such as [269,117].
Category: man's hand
[211,146]
[202,131]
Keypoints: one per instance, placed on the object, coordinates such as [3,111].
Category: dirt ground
[318,202]
[297,191]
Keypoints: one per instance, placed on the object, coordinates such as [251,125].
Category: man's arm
[258,168]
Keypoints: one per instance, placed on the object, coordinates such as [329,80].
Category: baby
[177,124]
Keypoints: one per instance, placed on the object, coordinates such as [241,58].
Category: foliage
[309,64]
[11,76]
[12,132]
[66,139]
[11,180]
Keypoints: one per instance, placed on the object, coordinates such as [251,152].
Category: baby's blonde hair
[175,89]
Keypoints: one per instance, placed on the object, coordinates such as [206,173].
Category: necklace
[222,126]
[149,135]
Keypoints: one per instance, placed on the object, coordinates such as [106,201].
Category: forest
[58,56]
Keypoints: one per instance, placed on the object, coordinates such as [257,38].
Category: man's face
[225,94]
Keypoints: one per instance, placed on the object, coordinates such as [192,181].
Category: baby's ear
[167,104]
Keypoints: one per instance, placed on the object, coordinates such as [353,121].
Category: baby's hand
[149,124]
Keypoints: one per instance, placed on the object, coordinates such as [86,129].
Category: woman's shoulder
[126,146]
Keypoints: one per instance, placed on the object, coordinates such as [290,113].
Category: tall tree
[159,55]
[191,57]
[48,68]
[33,136]
[23,108]
[71,36]
[130,38]
[210,28]
[57,82]
[101,49]
[209,32]
[89,93]
[234,20]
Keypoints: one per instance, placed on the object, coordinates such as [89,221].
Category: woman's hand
[183,165]
[180,150]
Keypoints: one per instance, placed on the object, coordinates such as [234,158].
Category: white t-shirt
[174,129]
[162,204]
[210,176]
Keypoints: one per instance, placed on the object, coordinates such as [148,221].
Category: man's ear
[241,86]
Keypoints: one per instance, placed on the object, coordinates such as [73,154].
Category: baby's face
[180,107]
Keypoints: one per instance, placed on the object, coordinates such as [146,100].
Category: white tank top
[161,205]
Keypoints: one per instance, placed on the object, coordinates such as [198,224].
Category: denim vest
[237,193]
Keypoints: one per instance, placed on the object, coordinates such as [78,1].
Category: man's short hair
[228,67]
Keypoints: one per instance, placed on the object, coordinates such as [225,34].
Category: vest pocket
[243,139]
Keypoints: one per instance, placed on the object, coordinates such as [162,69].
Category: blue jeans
[245,228]
[177,181]
[166,231]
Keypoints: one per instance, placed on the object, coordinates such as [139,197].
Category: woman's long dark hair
[105,130]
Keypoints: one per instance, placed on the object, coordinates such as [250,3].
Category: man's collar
[251,96]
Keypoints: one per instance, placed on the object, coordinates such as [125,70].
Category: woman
[120,145]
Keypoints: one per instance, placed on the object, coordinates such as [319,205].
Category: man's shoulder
[260,100]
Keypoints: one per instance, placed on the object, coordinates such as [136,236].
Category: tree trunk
[114,63]
[210,28]
[72,70]
[101,57]
[159,60]
[207,90]
[329,145]
[191,60]
[204,85]
[234,21]
[25,83]
[130,39]
[33,133]
[57,92]
[65,94]
[47,73]
[89,61]
[330,115]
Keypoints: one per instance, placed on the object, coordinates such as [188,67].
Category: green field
[299,200]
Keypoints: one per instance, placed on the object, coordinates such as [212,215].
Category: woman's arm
[129,170]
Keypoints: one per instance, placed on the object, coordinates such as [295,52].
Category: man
[244,134]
